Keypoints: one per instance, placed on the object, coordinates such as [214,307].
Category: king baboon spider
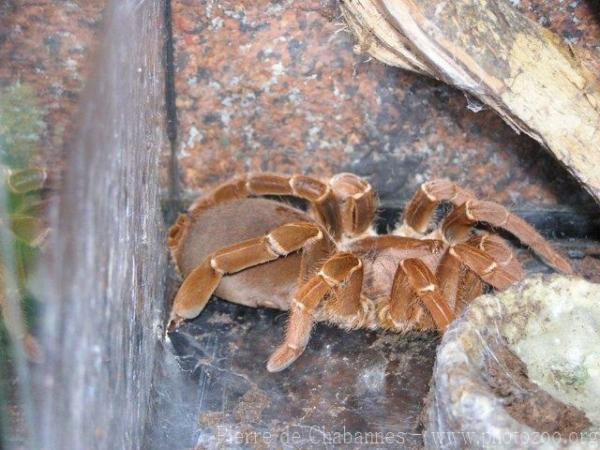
[328,264]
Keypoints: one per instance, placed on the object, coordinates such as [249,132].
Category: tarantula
[328,264]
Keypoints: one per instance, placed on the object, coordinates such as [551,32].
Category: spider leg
[357,202]
[451,274]
[483,265]
[421,207]
[341,278]
[500,251]
[319,195]
[461,285]
[471,287]
[414,281]
[458,224]
[201,282]
[346,204]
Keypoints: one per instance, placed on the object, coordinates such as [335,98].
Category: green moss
[21,128]
[25,231]
[21,125]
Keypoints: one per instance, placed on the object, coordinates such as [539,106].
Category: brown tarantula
[328,264]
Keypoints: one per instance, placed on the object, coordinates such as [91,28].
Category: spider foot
[283,357]
[175,322]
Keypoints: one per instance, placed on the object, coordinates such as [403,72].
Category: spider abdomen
[271,285]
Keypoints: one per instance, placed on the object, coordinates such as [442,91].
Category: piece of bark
[492,51]
[377,37]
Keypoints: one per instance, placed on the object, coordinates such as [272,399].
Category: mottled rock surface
[276,86]
[49,47]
